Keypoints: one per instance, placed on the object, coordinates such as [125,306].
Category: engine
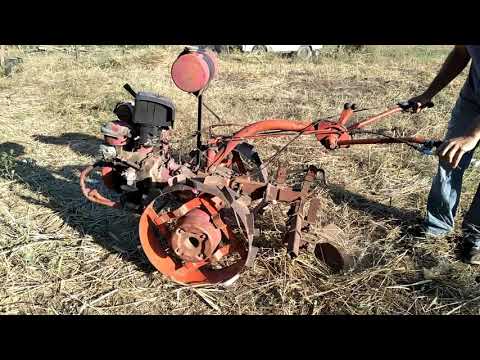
[137,147]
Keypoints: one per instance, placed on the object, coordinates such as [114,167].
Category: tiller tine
[298,215]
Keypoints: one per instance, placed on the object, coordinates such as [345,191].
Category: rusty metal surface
[281,176]
[331,249]
[296,214]
[309,179]
[293,235]
[92,194]
[334,257]
[312,214]
[195,238]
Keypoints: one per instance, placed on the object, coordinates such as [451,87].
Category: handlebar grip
[407,105]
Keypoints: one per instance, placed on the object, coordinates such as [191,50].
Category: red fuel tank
[193,70]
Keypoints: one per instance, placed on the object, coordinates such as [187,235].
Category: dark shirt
[471,88]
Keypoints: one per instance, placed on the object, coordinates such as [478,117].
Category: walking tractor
[197,215]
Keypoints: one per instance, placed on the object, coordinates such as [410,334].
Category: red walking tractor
[197,214]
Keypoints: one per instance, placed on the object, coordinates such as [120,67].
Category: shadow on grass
[80,143]
[408,221]
[115,230]
[377,210]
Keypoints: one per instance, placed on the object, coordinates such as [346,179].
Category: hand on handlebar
[417,103]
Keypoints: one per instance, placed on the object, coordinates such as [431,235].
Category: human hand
[453,150]
[418,103]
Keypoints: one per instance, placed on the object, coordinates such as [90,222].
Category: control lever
[130,90]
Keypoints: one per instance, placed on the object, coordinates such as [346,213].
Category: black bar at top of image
[164,23]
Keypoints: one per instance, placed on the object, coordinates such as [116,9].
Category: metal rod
[213,113]
[368,121]
[199,127]
[415,140]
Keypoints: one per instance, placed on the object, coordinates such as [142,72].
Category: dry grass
[62,255]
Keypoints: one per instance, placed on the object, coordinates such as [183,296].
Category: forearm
[456,61]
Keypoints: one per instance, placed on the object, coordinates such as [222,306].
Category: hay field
[60,254]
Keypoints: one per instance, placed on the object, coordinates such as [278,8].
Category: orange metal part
[92,194]
[195,238]
[345,116]
[152,226]
[107,176]
[372,119]
[265,125]
[326,132]
[332,139]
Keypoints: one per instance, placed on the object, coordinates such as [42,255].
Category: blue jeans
[446,188]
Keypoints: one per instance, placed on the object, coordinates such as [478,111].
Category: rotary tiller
[197,213]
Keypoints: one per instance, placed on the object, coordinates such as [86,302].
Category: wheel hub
[195,238]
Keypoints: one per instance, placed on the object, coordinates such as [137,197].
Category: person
[456,151]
